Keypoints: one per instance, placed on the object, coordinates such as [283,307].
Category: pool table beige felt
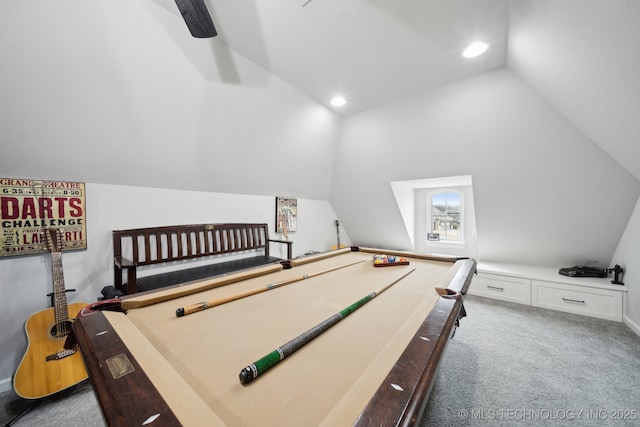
[375,367]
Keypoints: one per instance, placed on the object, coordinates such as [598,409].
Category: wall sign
[286,214]
[28,207]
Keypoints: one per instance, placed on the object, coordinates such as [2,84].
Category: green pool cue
[262,365]
[193,308]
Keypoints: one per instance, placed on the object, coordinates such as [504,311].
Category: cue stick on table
[183,311]
[259,367]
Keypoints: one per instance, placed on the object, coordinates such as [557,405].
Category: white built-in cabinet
[545,287]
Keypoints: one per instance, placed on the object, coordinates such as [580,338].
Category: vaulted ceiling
[370,51]
[582,56]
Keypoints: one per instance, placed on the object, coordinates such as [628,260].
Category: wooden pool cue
[262,365]
[183,311]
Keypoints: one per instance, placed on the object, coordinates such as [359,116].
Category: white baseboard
[630,323]
[5,385]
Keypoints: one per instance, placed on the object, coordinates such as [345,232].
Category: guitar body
[37,376]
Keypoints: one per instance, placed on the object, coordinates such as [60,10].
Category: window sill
[443,244]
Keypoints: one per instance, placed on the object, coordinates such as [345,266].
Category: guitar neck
[59,293]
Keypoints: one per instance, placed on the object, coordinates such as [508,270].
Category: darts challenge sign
[28,207]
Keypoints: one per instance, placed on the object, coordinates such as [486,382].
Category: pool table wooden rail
[420,360]
[391,405]
[121,403]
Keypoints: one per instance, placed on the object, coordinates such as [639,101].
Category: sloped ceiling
[370,51]
[583,56]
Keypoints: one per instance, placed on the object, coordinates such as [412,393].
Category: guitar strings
[61,323]
[60,300]
[38,192]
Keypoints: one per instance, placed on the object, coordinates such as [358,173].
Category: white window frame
[461,239]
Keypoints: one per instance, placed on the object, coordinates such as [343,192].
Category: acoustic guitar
[47,367]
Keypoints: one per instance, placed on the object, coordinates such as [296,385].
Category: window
[444,210]
[458,237]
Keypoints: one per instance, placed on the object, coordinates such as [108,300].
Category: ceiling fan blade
[197,17]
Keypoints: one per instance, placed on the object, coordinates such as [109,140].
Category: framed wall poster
[28,207]
[286,214]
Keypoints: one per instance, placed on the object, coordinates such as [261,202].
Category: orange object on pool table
[377,366]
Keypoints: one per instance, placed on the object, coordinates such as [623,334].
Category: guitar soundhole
[61,329]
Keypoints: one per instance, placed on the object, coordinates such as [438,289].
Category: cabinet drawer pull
[495,288]
[572,300]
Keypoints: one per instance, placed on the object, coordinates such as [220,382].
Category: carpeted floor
[76,406]
[508,364]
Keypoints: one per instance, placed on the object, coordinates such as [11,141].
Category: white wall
[583,57]
[628,256]
[25,281]
[118,92]
[544,193]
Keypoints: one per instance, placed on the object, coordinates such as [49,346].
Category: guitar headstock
[54,239]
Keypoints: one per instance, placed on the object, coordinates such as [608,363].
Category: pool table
[374,367]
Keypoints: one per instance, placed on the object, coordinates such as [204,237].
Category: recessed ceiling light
[338,101]
[475,49]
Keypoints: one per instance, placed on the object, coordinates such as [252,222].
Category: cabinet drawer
[506,288]
[594,302]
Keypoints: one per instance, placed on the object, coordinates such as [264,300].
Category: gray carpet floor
[507,365]
[510,364]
